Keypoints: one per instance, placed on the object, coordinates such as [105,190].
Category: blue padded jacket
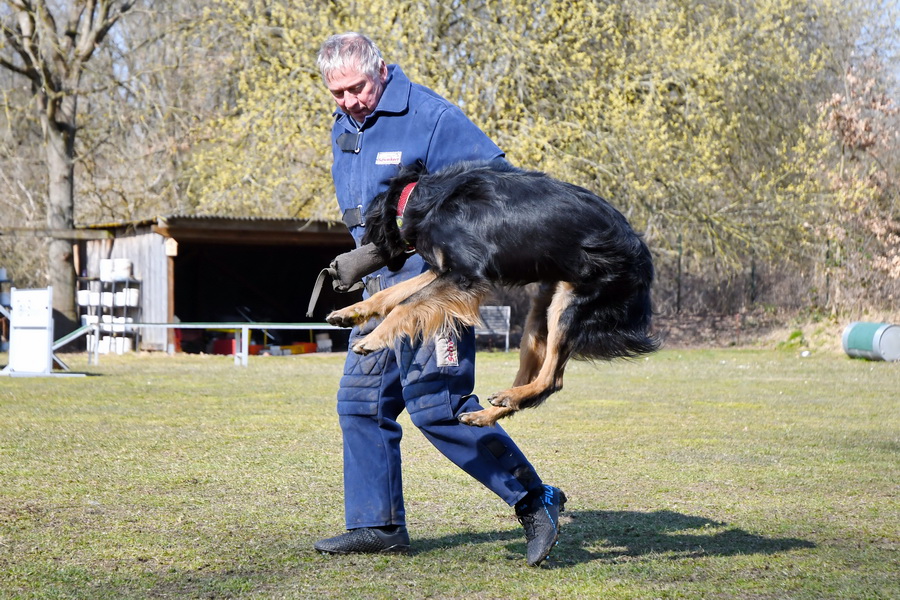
[410,123]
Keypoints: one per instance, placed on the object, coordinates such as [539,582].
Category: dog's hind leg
[380,303]
[550,377]
[533,347]
[440,305]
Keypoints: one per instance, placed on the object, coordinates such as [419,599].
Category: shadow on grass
[587,537]
[614,536]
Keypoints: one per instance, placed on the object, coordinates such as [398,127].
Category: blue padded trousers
[434,383]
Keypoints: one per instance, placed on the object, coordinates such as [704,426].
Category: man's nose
[351,99]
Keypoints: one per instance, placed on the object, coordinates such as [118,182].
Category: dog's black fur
[482,223]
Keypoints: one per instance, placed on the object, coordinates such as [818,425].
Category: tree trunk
[52,51]
[60,138]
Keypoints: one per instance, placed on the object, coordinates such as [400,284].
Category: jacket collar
[394,99]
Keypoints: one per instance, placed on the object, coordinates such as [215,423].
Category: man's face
[356,93]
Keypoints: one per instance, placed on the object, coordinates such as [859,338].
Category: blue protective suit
[431,379]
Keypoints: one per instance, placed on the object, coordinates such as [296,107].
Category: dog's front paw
[366,346]
[499,399]
[345,318]
[475,419]
[359,348]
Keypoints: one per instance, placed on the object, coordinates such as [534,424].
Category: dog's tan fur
[419,307]
[429,303]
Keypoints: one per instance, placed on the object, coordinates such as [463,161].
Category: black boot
[367,540]
[539,515]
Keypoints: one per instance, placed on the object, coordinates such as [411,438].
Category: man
[383,120]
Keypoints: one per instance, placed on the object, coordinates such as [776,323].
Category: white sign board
[31,331]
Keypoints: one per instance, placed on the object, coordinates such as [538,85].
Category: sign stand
[31,335]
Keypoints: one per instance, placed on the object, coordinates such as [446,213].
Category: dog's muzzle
[347,271]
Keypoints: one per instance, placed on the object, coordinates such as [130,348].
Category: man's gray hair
[349,50]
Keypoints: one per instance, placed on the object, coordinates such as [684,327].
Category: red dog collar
[404,198]
[401,208]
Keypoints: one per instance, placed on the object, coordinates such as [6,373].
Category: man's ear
[383,72]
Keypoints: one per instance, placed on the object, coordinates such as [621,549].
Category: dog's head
[381,218]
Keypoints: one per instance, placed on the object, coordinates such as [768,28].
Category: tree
[697,119]
[51,46]
[267,152]
[863,239]
[22,183]
[136,134]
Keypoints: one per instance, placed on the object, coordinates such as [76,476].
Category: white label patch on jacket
[388,158]
[446,351]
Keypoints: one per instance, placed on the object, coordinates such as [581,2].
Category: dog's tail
[613,323]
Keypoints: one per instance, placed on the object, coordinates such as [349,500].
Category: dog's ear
[377,217]
[381,229]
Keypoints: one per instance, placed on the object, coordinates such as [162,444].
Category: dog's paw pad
[340,319]
[336,319]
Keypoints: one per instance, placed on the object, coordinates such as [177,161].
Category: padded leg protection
[369,402]
[437,391]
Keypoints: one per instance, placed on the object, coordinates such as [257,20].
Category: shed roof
[236,230]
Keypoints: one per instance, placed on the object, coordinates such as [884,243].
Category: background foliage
[753,141]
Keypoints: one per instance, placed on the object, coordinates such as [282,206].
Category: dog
[479,224]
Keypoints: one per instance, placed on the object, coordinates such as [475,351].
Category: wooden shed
[220,269]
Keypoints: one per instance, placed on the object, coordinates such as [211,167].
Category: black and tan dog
[485,223]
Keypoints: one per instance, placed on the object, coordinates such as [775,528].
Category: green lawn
[690,474]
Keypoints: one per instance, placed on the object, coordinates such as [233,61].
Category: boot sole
[396,549]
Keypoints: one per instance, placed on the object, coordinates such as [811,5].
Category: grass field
[691,474]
